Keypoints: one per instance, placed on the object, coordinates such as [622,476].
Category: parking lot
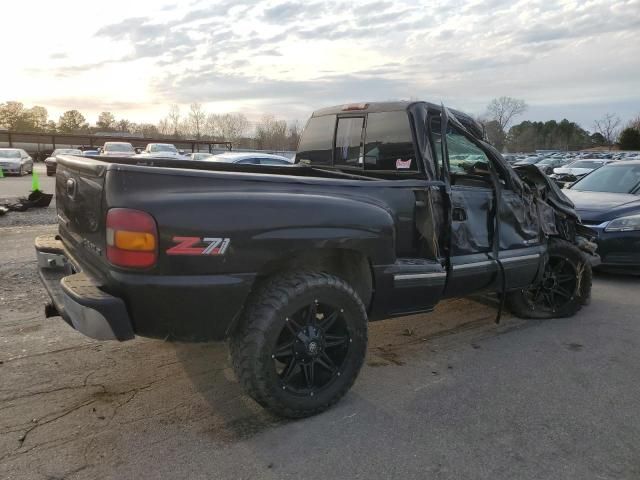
[446,395]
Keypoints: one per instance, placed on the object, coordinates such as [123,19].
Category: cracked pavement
[447,395]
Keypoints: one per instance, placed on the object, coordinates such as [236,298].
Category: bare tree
[174,118]
[232,126]
[197,118]
[164,127]
[271,133]
[503,109]
[608,127]
[294,135]
[212,125]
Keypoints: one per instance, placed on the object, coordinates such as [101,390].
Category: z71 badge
[199,246]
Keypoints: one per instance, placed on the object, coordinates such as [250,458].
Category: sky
[566,59]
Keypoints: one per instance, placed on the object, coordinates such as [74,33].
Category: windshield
[163,147]
[118,147]
[586,164]
[66,151]
[9,154]
[612,178]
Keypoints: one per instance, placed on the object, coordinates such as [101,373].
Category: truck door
[473,217]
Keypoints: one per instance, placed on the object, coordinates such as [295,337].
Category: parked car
[548,164]
[608,200]
[162,150]
[529,160]
[290,265]
[200,156]
[565,176]
[118,149]
[15,161]
[253,158]
[51,162]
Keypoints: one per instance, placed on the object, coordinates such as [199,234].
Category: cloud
[287,52]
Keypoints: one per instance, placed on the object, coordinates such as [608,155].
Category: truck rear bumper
[77,299]
[192,308]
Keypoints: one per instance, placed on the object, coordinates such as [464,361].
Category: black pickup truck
[389,208]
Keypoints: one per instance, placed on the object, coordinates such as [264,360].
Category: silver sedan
[15,161]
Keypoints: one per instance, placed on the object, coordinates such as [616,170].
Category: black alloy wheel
[311,348]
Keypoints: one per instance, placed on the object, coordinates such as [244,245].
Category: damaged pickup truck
[390,208]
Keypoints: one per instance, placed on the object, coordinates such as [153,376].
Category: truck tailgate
[79,201]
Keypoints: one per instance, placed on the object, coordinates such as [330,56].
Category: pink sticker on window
[403,163]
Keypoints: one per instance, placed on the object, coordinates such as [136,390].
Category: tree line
[529,136]
[272,133]
[269,133]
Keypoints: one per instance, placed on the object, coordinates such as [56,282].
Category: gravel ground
[447,395]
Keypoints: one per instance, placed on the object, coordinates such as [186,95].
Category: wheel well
[350,265]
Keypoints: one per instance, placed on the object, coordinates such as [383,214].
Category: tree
[164,128]
[271,133]
[148,130]
[212,126]
[495,134]
[630,139]
[503,109]
[197,117]
[294,135]
[597,140]
[12,115]
[72,121]
[634,123]
[106,121]
[37,117]
[232,126]
[124,125]
[607,126]
[174,118]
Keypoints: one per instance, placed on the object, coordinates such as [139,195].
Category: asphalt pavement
[448,395]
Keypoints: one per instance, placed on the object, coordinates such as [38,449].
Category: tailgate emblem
[199,246]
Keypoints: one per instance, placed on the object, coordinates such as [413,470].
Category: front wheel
[301,343]
[565,285]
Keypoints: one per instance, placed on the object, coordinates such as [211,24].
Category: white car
[15,161]
[162,150]
[200,156]
[118,149]
[251,158]
[581,167]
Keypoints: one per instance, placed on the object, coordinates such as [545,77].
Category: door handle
[459,214]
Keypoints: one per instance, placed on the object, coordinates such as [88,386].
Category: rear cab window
[388,143]
[316,144]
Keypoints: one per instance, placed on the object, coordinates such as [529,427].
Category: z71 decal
[199,246]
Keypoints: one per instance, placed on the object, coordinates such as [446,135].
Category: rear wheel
[565,285]
[301,343]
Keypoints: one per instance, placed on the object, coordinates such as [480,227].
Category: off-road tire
[519,301]
[252,342]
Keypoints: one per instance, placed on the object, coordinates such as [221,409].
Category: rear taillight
[132,238]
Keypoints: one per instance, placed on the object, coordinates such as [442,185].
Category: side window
[388,142]
[249,161]
[317,140]
[464,156]
[349,142]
